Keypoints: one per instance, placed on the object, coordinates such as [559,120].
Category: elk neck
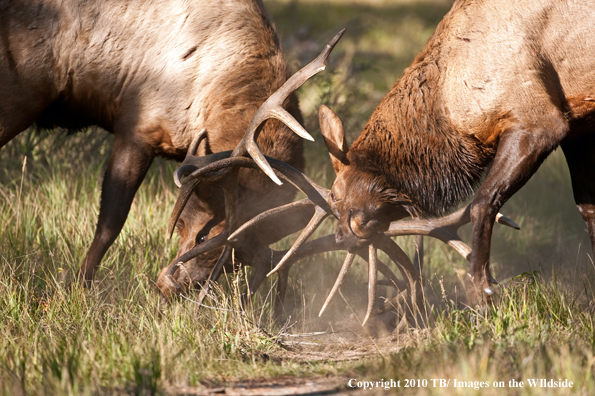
[410,143]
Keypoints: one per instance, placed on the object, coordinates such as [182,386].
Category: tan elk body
[502,82]
[154,73]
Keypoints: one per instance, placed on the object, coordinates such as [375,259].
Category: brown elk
[154,73]
[499,82]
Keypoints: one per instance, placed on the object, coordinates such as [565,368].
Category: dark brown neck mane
[410,143]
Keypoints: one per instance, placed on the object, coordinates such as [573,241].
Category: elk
[204,261]
[154,74]
[499,85]
[499,82]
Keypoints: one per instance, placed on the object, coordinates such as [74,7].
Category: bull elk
[221,171]
[499,82]
[154,73]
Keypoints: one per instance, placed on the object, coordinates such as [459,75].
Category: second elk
[499,82]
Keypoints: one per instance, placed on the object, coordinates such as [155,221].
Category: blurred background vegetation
[120,338]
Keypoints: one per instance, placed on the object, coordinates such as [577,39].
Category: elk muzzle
[356,230]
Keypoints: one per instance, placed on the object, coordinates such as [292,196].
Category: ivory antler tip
[500,218]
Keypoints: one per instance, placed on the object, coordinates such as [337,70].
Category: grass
[119,338]
[537,332]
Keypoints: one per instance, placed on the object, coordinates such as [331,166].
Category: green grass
[119,337]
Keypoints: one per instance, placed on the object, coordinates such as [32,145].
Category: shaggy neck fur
[410,144]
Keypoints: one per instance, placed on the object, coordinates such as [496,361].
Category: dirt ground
[346,341]
[276,386]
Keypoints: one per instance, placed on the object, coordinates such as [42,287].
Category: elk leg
[126,169]
[520,152]
[259,275]
[580,156]
[263,264]
[282,280]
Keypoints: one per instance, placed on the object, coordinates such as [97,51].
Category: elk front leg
[520,153]
[282,281]
[580,156]
[126,169]
[263,263]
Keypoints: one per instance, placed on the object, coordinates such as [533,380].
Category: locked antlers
[221,169]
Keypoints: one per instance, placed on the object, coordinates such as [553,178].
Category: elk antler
[444,228]
[190,155]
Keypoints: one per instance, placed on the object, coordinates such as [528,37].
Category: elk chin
[345,238]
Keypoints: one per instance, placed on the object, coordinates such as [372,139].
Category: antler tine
[274,212]
[214,275]
[398,256]
[402,261]
[191,153]
[501,219]
[188,184]
[272,108]
[228,183]
[372,286]
[332,245]
[316,246]
[444,228]
[340,278]
[395,253]
[185,193]
[319,215]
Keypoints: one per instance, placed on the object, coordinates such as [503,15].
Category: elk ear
[334,137]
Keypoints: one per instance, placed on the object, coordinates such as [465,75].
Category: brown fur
[154,73]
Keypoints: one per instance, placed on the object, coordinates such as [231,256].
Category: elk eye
[201,239]
[333,198]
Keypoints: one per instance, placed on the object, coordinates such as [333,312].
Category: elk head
[360,197]
[221,170]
